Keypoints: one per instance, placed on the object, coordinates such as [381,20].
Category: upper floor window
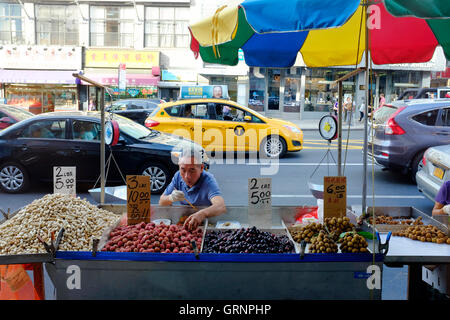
[112,26]
[57,25]
[11,24]
[166,27]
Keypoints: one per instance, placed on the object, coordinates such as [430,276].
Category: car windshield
[382,115]
[134,129]
[18,113]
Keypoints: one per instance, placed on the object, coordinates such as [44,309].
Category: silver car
[434,170]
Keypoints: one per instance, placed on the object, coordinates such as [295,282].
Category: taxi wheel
[159,176]
[273,147]
[13,178]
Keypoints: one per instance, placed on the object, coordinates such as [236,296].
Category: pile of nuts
[148,237]
[81,220]
[392,220]
[353,243]
[424,233]
[323,243]
[306,232]
[336,226]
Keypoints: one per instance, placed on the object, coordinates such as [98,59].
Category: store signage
[199,92]
[334,196]
[122,77]
[40,57]
[64,180]
[138,199]
[133,92]
[260,193]
[134,59]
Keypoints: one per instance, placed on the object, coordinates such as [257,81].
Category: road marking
[297,164]
[348,196]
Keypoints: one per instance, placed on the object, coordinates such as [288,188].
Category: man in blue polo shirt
[199,187]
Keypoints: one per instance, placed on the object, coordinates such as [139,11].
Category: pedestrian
[336,107]
[442,200]
[361,111]
[349,110]
[191,184]
[382,100]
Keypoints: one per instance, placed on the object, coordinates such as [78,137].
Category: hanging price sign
[64,180]
[138,199]
[334,196]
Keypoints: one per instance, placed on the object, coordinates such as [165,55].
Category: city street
[289,187]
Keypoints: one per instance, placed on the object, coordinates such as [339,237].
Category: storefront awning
[36,76]
[132,79]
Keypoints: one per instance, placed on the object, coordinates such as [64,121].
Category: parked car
[135,109]
[425,93]
[403,130]
[226,126]
[31,148]
[434,170]
[11,114]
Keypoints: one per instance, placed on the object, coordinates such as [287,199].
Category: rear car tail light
[392,127]
[151,123]
[424,160]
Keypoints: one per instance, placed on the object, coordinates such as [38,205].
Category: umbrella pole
[102,146]
[339,128]
[364,189]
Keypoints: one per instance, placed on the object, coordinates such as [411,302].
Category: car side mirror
[247,118]
[6,120]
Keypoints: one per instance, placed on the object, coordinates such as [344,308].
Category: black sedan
[12,114]
[135,109]
[31,148]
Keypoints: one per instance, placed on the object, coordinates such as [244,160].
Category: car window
[382,114]
[134,105]
[445,117]
[3,115]
[199,111]
[85,130]
[231,113]
[445,93]
[427,118]
[48,129]
[174,111]
[18,113]
[133,129]
[117,106]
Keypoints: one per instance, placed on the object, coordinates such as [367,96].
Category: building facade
[42,43]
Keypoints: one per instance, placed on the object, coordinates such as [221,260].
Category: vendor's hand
[176,195]
[446,209]
[193,221]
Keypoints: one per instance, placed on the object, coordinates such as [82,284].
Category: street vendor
[442,200]
[192,185]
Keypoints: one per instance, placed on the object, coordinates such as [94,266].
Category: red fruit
[120,243]
[175,250]
[151,250]
[167,251]
[186,243]
[157,249]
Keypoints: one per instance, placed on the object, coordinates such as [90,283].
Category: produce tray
[403,212]
[277,231]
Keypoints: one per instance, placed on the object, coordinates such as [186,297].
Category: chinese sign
[334,196]
[134,59]
[138,199]
[64,180]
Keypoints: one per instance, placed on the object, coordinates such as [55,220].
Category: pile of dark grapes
[250,240]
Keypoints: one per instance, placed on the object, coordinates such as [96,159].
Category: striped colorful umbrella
[272,33]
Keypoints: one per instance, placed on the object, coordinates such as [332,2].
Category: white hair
[190,153]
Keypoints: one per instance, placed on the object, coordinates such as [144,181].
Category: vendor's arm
[439,208]
[442,200]
[216,208]
[169,195]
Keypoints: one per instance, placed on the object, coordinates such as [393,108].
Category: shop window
[167,27]
[57,25]
[11,24]
[445,118]
[427,118]
[291,101]
[112,26]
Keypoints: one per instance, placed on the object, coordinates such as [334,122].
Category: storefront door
[274,76]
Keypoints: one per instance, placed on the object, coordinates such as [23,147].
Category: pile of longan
[424,233]
[353,243]
[306,232]
[391,220]
[323,243]
[338,225]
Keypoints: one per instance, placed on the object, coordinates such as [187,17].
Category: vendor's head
[191,166]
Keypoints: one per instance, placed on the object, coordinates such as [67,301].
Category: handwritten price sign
[138,199]
[334,196]
[64,180]
[260,193]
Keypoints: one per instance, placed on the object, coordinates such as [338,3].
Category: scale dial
[328,127]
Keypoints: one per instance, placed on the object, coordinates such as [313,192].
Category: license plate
[438,172]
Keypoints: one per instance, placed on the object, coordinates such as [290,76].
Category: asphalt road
[290,178]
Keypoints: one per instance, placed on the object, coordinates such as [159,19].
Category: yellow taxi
[223,125]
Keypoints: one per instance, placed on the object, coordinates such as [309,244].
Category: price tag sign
[138,199]
[64,180]
[334,196]
[260,193]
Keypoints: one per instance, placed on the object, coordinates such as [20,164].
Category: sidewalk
[313,124]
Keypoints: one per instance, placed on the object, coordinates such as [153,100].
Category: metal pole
[102,146]
[340,90]
[364,189]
